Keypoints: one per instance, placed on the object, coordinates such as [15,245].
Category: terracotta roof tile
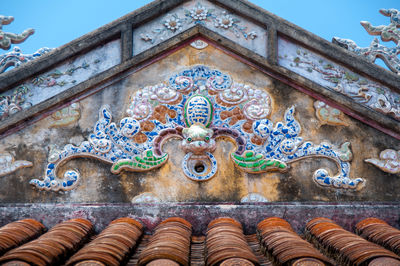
[171,243]
[225,240]
[17,233]
[345,247]
[52,247]
[112,245]
[379,232]
[171,240]
[284,246]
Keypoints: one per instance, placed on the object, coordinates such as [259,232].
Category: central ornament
[198,164]
[198,105]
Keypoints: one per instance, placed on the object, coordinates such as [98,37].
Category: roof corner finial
[375,50]
[8,38]
[15,57]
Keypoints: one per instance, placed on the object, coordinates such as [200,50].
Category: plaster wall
[168,183]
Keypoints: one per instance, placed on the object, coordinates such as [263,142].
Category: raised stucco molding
[198,105]
[8,165]
[388,161]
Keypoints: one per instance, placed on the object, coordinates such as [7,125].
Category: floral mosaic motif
[190,107]
[199,44]
[8,165]
[198,14]
[66,116]
[54,78]
[108,143]
[283,146]
[339,78]
[388,161]
[11,104]
[329,115]
[8,38]
[20,98]
[15,58]
[387,33]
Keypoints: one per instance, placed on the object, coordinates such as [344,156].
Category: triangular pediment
[264,82]
[213,129]
[254,33]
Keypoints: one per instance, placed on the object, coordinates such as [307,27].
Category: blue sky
[59,22]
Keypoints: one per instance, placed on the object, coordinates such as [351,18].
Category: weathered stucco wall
[200,215]
[74,124]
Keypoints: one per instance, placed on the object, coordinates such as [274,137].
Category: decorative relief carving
[66,116]
[390,32]
[387,33]
[14,102]
[374,51]
[199,44]
[283,146]
[15,58]
[19,100]
[389,161]
[146,197]
[198,13]
[338,78]
[8,38]
[253,198]
[8,165]
[49,84]
[191,107]
[329,115]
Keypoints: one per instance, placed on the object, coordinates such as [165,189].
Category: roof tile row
[345,247]
[53,247]
[284,246]
[122,243]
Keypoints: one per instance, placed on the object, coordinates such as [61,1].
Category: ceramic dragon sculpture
[390,32]
[8,38]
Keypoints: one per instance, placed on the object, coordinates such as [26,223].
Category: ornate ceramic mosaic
[388,161]
[55,81]
[15,58]
[199,105]
[328,115]
[202,13]
[338,78]
[387,33]
[8,38]
[8,165]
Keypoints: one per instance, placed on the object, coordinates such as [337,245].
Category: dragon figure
[8,38]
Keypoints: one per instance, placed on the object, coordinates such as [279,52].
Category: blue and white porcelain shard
[15,58]
[194,107]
